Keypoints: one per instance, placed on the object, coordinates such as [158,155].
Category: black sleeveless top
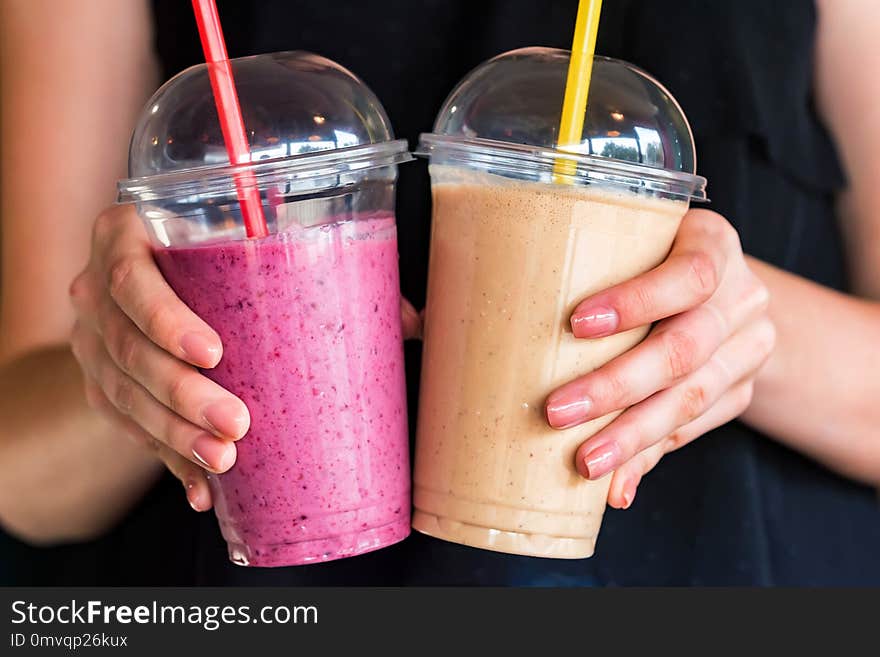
[731,508]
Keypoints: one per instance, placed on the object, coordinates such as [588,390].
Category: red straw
[229,113]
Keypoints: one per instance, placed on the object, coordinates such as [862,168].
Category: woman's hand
[139,346]
[693,372]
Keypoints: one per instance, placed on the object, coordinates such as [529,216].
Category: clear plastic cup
[517,241]
[309,316]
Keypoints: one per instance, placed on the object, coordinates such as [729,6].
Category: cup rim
[213,179]
[512,158]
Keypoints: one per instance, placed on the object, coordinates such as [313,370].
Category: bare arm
[72,76]
[65,474]
[848,91]
[820,390]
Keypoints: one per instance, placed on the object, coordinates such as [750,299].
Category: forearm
[65,474]
[819,393]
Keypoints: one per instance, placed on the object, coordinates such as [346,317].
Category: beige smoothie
[509,262]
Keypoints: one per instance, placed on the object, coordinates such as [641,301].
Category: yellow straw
[577,85]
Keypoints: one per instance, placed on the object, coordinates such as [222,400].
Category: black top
[733,507]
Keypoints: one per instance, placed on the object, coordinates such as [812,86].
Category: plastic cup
[515,246]
[309,316]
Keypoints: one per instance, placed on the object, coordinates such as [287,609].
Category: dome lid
[504,117]
[304,116]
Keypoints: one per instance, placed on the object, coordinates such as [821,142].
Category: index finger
[688,277]
[142,293]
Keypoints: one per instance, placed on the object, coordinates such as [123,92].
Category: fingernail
[566,408]
[600,460]
[595,322]
[228,418]
[200,349]
[190,487]
[629,493]
[213,453]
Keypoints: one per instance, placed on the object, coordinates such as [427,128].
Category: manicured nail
[213,453]
[565,409]
[595,322]
[200,349]
[228,418]
[600,460]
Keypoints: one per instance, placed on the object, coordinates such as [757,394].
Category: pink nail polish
[595,322]
[567,409]
[601,460]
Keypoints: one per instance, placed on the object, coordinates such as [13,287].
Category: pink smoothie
[310,323]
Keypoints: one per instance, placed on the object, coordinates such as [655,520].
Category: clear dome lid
[504,117]
[304,116]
